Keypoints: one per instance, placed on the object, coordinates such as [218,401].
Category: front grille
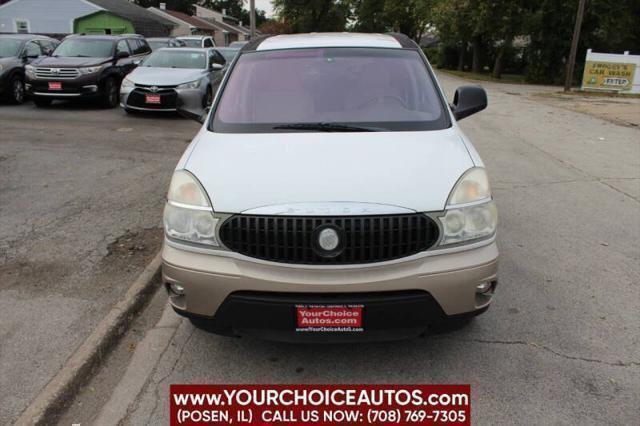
[61,73]
[168,98]
[292,239]
[149,86]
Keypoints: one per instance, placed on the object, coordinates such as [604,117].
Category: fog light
[483,287]
[176,289]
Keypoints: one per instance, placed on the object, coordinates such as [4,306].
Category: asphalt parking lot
[81,199]
[561,343]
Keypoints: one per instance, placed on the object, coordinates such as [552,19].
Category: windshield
[85,48]
[375,89]
[157,44]
[9,47]
[176,59]
[191,42]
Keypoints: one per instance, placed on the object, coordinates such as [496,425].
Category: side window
[144,47]
[208,42]
[134,45]
[122,46]
[32,49]
[139,46]
[47,46]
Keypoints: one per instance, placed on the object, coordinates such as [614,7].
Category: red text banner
[320,404]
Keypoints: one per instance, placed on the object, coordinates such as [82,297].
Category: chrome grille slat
[59,73]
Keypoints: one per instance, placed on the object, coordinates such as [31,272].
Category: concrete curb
[64,385]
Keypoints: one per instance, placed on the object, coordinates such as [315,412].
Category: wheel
[16,90]
[110,96]
[42,102]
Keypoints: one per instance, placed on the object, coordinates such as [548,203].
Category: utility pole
[571,64]
[252,18]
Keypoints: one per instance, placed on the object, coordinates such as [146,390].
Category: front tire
[16,90]
[42,102]
[111,95]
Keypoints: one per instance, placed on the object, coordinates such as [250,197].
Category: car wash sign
[610,72]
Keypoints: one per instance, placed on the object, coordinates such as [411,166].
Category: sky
[264,5]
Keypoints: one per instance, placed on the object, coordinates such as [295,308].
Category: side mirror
[216,67]
[122,55]
[468,100]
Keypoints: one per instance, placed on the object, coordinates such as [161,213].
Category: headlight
[469,223]
[471,213]
[188,215]
[472,186]
[2,67]
[29,69]
[127,83]
[190,85]
[89,70]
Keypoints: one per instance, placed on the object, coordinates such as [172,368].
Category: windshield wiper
[328,127]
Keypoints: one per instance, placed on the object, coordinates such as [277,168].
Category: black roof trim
[404,41]
[253,44]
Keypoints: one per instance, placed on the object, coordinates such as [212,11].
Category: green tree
[549,27]
[313,15]
[370,16]
[453,20]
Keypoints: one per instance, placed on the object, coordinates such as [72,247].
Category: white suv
[331,196]
[196,41]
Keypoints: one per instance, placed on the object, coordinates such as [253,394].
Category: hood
[413,170]
[71,62]
[9,61]
[164,76]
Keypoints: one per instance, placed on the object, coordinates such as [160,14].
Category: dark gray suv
[85,66]
[16,51]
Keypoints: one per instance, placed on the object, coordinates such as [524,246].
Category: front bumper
[236,295]
[81,87]
[134,98]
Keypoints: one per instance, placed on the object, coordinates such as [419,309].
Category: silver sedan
[172,77]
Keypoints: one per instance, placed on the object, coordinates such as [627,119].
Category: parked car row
[112,70]
[17,51]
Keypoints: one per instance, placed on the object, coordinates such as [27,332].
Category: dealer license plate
[152,99]
[328,318]
[55,85]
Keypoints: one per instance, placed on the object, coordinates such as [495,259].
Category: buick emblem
[328,239]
